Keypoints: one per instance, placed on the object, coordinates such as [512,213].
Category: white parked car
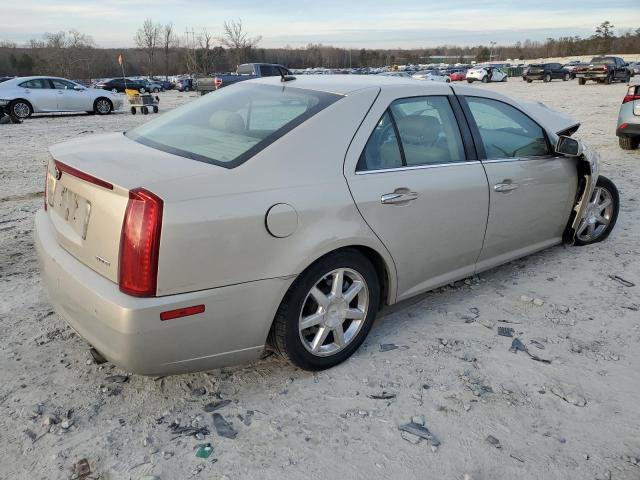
[24,96]
[431,75]
[486,75]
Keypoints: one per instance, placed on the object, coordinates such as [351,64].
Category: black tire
[627,78]
[628,143]
[547,78]
[133,110]
[285,337]
[100,106]
[529,81]
[504,79]
[605,183]
[485,79]
[581,81]
[609,80]
[20,109]
[469,80]
[566,77]
[144,110]
[155,109]
[186,89]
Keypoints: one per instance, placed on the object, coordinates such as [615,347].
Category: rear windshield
[229,126]
[604,60]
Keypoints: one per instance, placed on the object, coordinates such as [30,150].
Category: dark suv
[119,85]
[546,72]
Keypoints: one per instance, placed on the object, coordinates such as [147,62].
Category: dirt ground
[575,418]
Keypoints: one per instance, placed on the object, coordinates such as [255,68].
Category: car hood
[559,123]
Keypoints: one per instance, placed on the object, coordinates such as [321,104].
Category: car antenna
[283,76]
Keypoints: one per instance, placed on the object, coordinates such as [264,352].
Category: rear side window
[230,126]
[37,83]
[414,131]
[505,131]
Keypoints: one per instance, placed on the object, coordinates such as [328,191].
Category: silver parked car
[628,128]
[287,213]
[23,96]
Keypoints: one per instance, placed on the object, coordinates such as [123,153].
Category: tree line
[160,51]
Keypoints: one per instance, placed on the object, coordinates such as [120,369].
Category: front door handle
[505,187]
[398,196]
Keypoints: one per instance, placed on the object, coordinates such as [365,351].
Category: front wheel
[186,89]
[328,311]
[102,106]
[601,213]
[566,77]
[485,79]
[547,78]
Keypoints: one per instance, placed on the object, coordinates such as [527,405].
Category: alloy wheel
[103,106]
[597,216]
[333,312]
[21,110]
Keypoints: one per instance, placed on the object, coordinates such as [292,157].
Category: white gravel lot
[459,376]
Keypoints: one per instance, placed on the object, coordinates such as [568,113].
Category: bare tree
[205,43]
[147,39]
[237,40]
[169,41]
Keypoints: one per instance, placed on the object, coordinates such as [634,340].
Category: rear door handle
[505,187]
[398,197]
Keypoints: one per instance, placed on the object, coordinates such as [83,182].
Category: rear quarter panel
[214,231]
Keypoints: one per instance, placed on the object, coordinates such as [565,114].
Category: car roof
[340,84]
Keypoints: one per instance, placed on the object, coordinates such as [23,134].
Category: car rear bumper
[592,76]
[631,130]
[535,76]
[128,330]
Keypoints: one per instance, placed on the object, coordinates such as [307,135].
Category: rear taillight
[218,82]
[632,94]
[140,244]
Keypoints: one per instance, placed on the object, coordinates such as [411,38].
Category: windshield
[229,126]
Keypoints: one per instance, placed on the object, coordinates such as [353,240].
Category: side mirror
[568,146]
[78,88]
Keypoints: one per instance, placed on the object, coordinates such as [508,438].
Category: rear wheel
[144,110]
[328,311]
[581,81]
[609,80]
[20,109]
[186,89]
[485,79]
[529,81]
[155,109]
[628,143]
[601,214]
[547,77]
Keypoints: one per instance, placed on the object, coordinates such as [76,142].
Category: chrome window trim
[520,159]
[419,167]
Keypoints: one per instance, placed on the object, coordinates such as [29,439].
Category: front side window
[62,84]
[232,125]
[36,83]
[505,131]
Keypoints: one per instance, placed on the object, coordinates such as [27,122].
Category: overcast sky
[344,23]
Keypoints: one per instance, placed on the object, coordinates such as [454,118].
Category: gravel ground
[576,418]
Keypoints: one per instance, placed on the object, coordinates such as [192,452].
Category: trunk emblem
[103,261]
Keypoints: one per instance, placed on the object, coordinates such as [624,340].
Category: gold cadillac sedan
[283,213]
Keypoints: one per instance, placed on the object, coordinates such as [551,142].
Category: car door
[419,186]
[531,189]
[39,93]
[70,99]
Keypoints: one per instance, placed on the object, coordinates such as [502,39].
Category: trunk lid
[88,183]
